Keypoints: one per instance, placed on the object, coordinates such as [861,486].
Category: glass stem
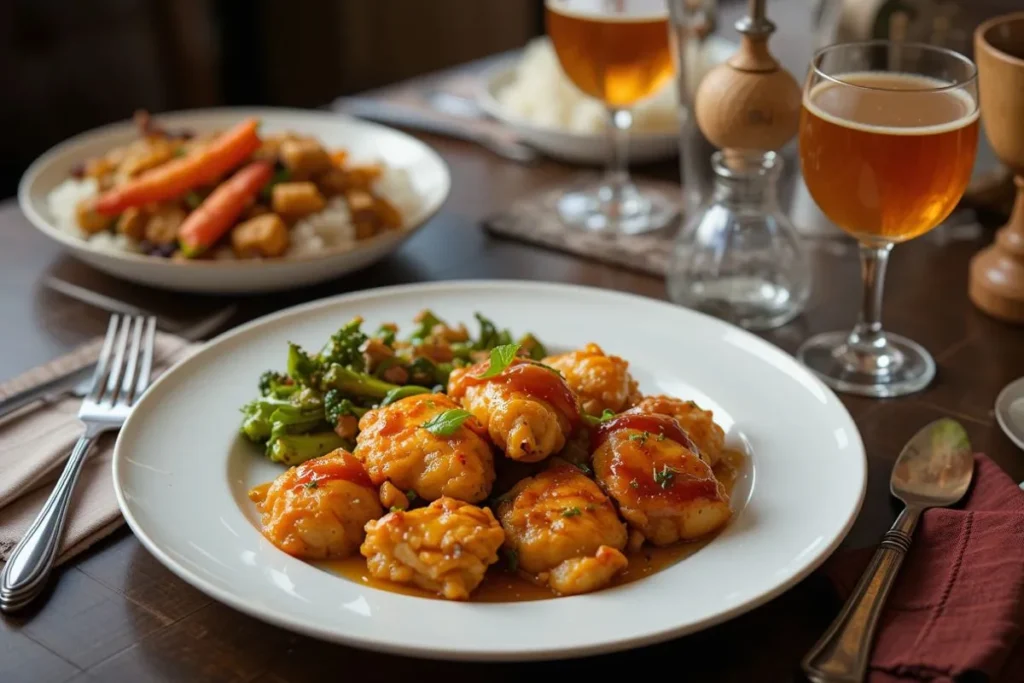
[617,176]
[867,335]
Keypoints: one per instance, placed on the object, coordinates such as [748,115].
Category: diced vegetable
[265,235]
[176,177]
[296,199]
[162,227]
[214,217]
[89,219]
[304,158]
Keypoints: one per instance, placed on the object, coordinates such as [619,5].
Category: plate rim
[237,602]
[44,160]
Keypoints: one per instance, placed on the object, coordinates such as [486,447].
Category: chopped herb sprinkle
[641,437]
[411,495]
[584,468]
[311,484]
[512,557]
[664,477]
[571,512]
[634,484]
[396,508]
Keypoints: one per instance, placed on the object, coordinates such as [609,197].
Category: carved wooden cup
[997,272]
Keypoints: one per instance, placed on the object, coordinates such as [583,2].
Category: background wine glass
[616,51]
[888,136]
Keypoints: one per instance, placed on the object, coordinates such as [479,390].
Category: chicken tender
[601,381]
[394,446]
[564,530]
[698,424]
[445,547]
[528,410]
[318,510]
[648,464]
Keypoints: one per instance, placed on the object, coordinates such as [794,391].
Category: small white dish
[1009,411]
[364,140]
[181,473]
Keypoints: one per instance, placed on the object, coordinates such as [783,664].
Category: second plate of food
[490,470]
[234,200]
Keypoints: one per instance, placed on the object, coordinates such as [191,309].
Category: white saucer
[1010,411]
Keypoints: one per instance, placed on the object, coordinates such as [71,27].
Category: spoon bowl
[935,467]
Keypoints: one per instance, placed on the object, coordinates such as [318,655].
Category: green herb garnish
[634,484]
[311,484]
[501,357]
[571,512]
[584,468]
[641,438]
[395,508]
[664,477]
[411,495]
[446,423]
[512,557]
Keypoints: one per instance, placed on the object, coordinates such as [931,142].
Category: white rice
[331,228]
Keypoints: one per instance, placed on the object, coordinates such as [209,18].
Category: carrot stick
[208,223]
[178,176]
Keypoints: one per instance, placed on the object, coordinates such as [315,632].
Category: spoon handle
[841,656]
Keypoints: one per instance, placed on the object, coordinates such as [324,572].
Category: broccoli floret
[336,406]
[268,417]
[294,449]
[426,321]
[257,425]
[302,368]
[344,346]
[490,335]
[358,384]
[277,385]
[533,347]
[424,371]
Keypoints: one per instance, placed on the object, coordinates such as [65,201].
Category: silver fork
[121,377]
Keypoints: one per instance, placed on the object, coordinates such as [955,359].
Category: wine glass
[616,51]
[888,135]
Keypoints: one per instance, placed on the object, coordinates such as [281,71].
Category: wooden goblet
[997,272]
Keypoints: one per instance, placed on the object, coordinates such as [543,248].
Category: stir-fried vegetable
[176,177]
[218,212]
[315,405]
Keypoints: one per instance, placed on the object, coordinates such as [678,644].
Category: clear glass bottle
[739,257]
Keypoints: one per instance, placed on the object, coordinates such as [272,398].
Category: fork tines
[123,369]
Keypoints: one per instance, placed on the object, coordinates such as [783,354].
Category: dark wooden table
[115,614]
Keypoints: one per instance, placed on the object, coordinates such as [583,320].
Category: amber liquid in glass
[614,50]
[886,156]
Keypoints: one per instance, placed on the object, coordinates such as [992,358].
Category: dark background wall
[70,65]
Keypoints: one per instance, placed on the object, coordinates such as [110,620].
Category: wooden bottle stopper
[997,273]
[749,102]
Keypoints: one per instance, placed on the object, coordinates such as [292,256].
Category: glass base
[895,366]
[634,211]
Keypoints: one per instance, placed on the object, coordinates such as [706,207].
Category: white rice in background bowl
[330,229]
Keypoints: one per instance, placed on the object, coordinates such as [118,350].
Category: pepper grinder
[739,256]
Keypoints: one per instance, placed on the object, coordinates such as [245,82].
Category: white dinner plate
[181,472]
[428,174]
[1009,410]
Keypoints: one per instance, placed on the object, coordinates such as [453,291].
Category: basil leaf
[501,357]
[445,424]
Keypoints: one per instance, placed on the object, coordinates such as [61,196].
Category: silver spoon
[934,470]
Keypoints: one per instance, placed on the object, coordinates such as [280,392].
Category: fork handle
[841,656]
[29,565]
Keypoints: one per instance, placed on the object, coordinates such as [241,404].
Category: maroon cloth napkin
[956,611]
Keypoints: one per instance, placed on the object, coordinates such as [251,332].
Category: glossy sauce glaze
[503,585]
[526,377]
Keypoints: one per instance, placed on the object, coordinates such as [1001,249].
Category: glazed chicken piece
[318,510]
[601,381]
[528,410]
[564,530]
[698,424]
[664,491]
[445,547]
[394,446]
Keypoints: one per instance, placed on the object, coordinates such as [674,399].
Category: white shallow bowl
[428,173]
[568,146]
[181,473]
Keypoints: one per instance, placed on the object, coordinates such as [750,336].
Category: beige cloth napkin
[35,444]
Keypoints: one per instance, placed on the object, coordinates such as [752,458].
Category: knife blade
[404,116]
[78,382]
